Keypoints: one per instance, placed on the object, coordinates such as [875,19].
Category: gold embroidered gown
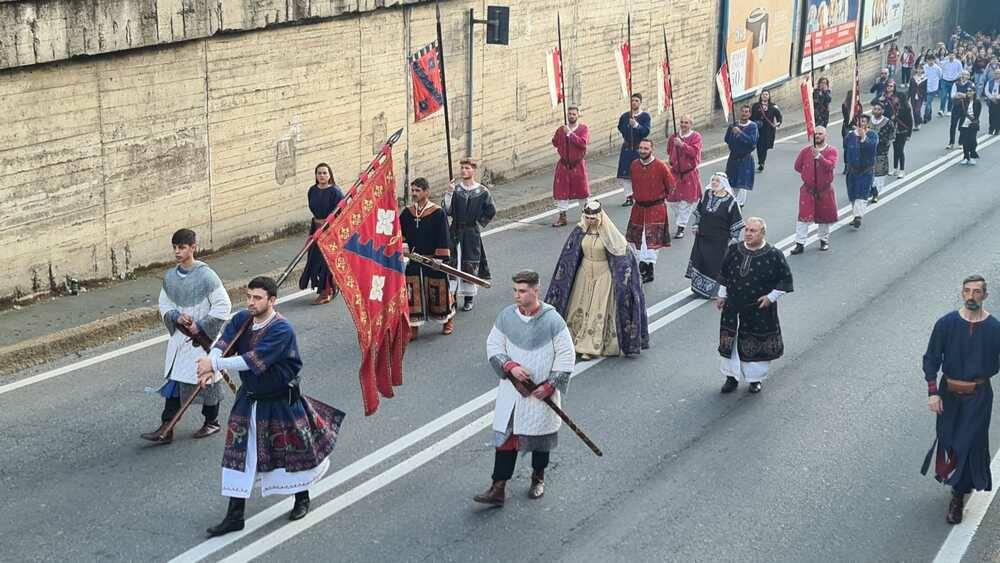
[592,312]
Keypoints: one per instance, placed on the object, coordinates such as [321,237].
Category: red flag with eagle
[425,72]
[364,247]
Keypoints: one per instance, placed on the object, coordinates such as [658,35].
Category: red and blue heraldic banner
[831,27]
[425,70]
[364,247]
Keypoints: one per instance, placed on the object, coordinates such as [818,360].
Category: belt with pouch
[963,387]
[291,394]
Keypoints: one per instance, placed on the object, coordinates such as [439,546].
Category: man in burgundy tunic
[684,151]
[570,179]
[648,229]
[817,201]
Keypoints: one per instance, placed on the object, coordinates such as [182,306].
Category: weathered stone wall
[102,157]
[39,31]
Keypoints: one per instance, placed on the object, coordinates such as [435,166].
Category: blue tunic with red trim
[963,351]
[294,432]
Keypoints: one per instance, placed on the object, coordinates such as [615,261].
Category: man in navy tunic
[278,440]
[965,348]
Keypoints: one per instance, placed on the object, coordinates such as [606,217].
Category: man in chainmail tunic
[529,344]
[192,301]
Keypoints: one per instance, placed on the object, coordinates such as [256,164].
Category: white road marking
[286,532]
[108,355]
[961,535]
[158,339]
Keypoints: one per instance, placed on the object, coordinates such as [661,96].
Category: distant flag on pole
[725,89]
[856,108]
[663,86]
[553,73]
[806,90]
[623,61]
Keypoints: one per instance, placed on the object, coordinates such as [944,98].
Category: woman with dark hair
[768,118]
[902,119]
[324,196]
[822,98]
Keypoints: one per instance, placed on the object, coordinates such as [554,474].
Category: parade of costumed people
[597,289]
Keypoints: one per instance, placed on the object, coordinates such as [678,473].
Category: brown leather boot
[955,509]
[154,436]
[414,332]
[449,327]
[495,495]
[561,220]
[537,489]
[207,429]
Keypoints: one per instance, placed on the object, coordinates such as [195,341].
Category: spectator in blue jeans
[933,72]
[951,69]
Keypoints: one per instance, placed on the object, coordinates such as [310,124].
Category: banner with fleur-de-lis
[363,245]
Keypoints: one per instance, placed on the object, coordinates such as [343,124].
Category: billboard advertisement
[829,26]
[880,20]
[758,43]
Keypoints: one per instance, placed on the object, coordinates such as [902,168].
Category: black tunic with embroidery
[748,275]
[427,234]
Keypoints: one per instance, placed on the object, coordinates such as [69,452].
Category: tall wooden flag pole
[444,91]
[812,80]
[562,76]
[670,83]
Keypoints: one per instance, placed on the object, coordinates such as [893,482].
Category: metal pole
[562,78]
[444,91]
[469,83]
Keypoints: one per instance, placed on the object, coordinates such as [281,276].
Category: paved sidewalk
[52,328]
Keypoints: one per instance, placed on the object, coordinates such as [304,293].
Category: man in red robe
[648,229]
[817,201]
[570,179]
[684,152]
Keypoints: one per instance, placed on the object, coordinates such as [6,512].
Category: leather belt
[649,203]
[963,387]
[291,394]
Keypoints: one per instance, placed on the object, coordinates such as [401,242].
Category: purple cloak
[632,323]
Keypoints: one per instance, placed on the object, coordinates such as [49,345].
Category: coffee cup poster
[831,27]
[758,43]
[880,19]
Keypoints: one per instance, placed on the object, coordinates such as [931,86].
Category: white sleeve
[447,202]
[722,292]
[496,343]
[774,295]
[165,304]
[232,363]
[565,353]
[221,305]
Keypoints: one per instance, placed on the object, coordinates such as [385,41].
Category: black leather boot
[301,507]
[233,522]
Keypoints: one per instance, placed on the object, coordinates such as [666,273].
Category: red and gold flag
[364,247]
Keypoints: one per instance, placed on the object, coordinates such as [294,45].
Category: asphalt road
[823,465]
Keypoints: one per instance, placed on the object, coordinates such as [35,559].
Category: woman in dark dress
[324,196]
[822,98]
[768,118]
[717,224]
